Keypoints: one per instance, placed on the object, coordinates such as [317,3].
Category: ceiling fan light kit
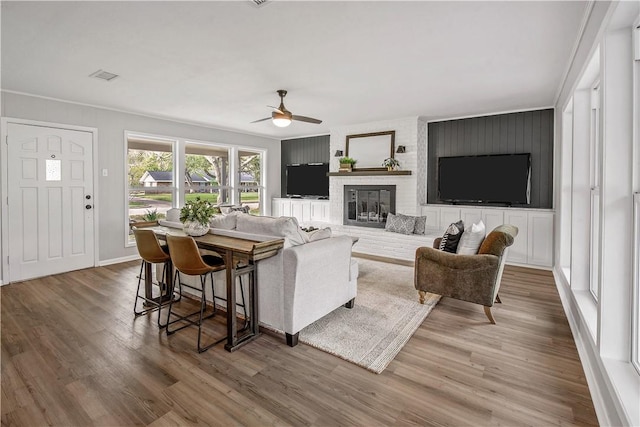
[282,117]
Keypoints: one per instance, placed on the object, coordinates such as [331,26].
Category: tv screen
[502,178]
[308,180]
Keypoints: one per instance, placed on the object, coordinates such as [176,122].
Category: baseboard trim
[594,372]
[118,260]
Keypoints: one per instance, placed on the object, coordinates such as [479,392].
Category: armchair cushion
[471,239]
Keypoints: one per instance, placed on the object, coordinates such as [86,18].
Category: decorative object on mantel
[371,148]
[346,164]
[385,316]
[339,153]
[401,149]
[390,163]
[195,216]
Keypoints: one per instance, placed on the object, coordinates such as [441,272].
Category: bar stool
[152,253]
[187,260]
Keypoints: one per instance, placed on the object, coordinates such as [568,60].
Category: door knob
[88,207]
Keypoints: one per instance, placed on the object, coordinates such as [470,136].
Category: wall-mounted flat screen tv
[501,178]
[308,180]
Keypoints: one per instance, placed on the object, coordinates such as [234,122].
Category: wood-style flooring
[74,355]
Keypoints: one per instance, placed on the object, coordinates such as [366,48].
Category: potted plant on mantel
[346,164]
[195,216]
[391,164]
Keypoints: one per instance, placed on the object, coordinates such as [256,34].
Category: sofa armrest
[316,280]
[467,277]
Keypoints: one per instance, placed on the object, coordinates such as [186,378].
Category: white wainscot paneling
[532,247]
[540,238]
[302,209]
[449,215]
[518,251]
[433,216]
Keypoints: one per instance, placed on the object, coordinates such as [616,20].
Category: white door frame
[4,189]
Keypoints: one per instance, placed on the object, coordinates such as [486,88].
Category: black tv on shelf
[308,180]
[495,178]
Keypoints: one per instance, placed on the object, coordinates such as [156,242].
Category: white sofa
[305,281]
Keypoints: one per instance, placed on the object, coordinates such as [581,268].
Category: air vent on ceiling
[103,75]
[258,3]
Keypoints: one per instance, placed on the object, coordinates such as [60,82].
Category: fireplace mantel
[368,173]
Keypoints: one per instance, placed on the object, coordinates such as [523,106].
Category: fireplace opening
[368,205]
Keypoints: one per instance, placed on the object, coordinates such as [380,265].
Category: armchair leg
[498,299]
[292,340]
[487,311]
[421,295]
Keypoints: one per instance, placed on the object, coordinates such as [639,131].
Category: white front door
[50,205]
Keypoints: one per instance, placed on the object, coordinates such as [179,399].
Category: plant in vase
[346,164]
[390,163]
[195,216]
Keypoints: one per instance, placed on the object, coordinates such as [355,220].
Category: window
[207,173]
[163,173]
[596,200]
[250,191]
[151,189]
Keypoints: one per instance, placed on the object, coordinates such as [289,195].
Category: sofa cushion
[225,222]
[173,215]
[451,238]
[284,226]
[400,223]
[471,239]
[323,233]
[421,225]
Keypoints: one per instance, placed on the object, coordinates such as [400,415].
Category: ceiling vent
[258,3]
[104,75]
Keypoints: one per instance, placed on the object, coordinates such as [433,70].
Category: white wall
[111,126]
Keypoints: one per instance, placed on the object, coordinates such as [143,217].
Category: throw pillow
[472,239]
[323,233]
[400,223]
[451,237]
[283,226]
[225,222]
[421,225]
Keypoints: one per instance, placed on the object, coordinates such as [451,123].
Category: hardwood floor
[73,355]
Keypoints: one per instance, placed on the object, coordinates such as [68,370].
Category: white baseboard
[119,260]
[597,379]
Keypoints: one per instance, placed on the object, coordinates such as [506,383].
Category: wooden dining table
[240,257]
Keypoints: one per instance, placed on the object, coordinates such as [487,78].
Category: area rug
[385,316]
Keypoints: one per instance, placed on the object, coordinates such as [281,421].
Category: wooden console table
[239,257]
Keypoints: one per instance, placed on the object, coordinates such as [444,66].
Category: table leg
[232,330]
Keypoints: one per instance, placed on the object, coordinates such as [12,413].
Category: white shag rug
[385,316]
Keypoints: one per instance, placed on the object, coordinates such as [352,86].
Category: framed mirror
[370,149]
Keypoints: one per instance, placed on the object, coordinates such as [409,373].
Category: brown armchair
[473,278]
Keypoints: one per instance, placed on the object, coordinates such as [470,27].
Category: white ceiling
[220,63]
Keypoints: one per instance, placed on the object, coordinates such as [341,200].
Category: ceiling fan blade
[306,119]
[261,120]
[276,109]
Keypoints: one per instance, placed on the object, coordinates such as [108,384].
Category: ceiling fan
[282,117]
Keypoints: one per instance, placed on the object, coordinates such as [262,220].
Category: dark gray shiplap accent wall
[313,149]
[525,132]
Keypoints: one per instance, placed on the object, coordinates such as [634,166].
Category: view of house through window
[249,183]
[151,185]
[207,173]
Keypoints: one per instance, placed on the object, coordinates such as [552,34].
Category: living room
[471,60]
